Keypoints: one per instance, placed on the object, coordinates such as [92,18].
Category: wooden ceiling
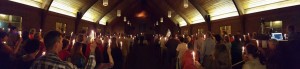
[94,11]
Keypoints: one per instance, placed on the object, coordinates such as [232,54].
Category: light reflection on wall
[33,3]
[276,5]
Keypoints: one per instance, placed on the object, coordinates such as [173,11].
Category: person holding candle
[189,59]
[7,53]
[64,54]
[209,47]
[31,49]
[13,36]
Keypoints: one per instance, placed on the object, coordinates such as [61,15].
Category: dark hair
[51,38]
[181,39]
[12,28]
[65,43]
[31,46]
[3,34]
[218,38]
[253,50]
[80,37]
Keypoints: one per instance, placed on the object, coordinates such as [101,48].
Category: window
[274,26]
[61,27]
[10,20]
[226,29]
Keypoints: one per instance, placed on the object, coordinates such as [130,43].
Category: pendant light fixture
[105,2]
[119,13]
[169,14]
[185,3]
[125,19]
[161,19]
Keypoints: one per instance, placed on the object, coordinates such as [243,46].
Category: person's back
[171,46]
[222,57]
[53,43]
[253,64]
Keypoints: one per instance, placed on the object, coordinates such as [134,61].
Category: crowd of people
[86,50]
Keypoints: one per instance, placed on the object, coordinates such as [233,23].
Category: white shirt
[181,48]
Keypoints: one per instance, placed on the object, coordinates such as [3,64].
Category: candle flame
[20,32]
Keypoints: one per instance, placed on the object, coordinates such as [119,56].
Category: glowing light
[169,14]
[121,43]
[194,55]
[125,19]
[105,2]
[109,42]
[4,42]
[71,34]
[20,34]
[73,42]
[185,3]
[257,43]
[2,15]
[92,35]
[269,5]
[119,13]
[231,14]
[243,49]
[61,8]
[161,19]
[44,53]
[33,3]
[40,30]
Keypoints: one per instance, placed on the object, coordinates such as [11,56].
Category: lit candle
[204,36]
[121,43]
[44,53]
[257,42]
[40,30]
[4,42]
[8,29]
[71,34]
[73,42]
[109,42]
[194,55]
[285,36]
[240,39]
[248,34]
[243,49]
[92,35]
[2,28]
[244,36]
[20,32]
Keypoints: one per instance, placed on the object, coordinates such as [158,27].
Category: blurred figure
[189,60]
[171,48]
[42,48]
[222,57]
[78,58]
[31,33]
[198,46]
[209,47]
[236,52]
[117,54]
[273,56]
[13,36]
[7,53]
[181,48]
[64,54]
[292,34]
[31,48]
[252,58]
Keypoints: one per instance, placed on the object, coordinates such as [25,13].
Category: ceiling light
[118,13]
[185,3]
[169,14]
[105,2]
[161,19]
[125,19]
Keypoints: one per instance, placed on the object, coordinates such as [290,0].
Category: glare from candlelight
[71,34]
[44,53]
[194,55]
[92,35]
[243,49]
[4,42]
[121,43]
[73,42]
[257,42]
[109,42]
[8,30]
[204,36]
[40,30]
[20,32]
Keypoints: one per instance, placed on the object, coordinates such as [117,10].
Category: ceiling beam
[200,9]
[118,4]
[178,11]
[86,7]
[47,4]
[239,6]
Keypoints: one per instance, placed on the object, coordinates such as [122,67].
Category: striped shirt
[51,61]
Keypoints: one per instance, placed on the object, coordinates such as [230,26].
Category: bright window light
[276,5]
[63,9]
[33,3]
[231,14]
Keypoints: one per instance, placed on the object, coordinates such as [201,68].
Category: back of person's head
[226,39]
[3,34]
[181,39]
[32,31]
[252,50]
[78,48]
[80,38]
[218,38]
[236,38]
[291,28]
[51,38]
[65,43]
[31,46]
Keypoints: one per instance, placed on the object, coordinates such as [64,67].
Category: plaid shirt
[50,61]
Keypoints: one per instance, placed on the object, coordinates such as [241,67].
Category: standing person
[53,44]
[273,56]
[292,34]
[198,47]
[181,48]
[13,36]
[78,58]
[222,57]
[171,48]
[236,52]
[116,52]
[209,47]
[31,49]
[252,58]
[189,60]
[7,53]
[65,53]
